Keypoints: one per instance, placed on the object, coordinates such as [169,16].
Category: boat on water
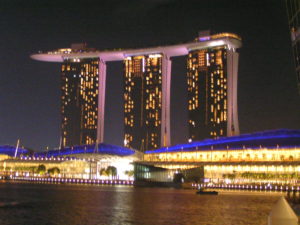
[202,192]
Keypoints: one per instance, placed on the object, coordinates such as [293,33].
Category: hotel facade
[79,99]
[212,64]
[143,101]
[212,92]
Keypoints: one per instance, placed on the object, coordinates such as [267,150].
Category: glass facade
[207,93]
[27,168]
[142,101]
[282,154]
[79,101]
[293,11]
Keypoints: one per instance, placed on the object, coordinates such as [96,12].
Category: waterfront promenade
[71,180]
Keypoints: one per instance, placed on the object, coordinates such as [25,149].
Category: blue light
[283,138]
[10,150]
[204,38]
[87,149]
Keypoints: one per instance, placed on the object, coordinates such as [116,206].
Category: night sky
[30,90]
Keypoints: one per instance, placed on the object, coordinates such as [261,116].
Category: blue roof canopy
[10,150]
[269,139]
[87,149]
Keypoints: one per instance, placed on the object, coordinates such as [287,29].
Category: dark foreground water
[47,204]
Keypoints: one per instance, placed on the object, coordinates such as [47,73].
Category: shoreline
[68,181]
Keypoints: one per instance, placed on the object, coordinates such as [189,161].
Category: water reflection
[84,204]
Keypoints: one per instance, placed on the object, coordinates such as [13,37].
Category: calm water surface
[47,204]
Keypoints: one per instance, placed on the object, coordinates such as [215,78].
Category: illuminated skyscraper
[212,90]
[293,12]
[212,86]
[143,101]
[82,92]
[79,101]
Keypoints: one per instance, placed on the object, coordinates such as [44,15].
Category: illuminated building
[147,76]
[293,12]
[10,151]
[143,101]
[270,156]
[212,91]
[79,101]
[80,162]
[81,104]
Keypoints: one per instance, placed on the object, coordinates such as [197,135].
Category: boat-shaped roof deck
[228,39]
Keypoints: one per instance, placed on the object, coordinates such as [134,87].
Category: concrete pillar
[232,78]
[282,214]
[166,89]
[101,100]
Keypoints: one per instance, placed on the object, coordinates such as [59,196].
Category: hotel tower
[79,96]
[212,63]
[212,91]
[79,99]
[143,101]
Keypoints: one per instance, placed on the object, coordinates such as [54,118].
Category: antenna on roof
[17,147]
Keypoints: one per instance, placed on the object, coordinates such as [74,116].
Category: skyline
[35,119]
[211,68]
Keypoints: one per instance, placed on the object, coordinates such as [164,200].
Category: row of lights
[72,180]
[248,187]
[55,159]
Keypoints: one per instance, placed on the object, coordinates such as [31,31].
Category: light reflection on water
[84,204]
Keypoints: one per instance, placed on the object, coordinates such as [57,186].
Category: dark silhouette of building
[293,12]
